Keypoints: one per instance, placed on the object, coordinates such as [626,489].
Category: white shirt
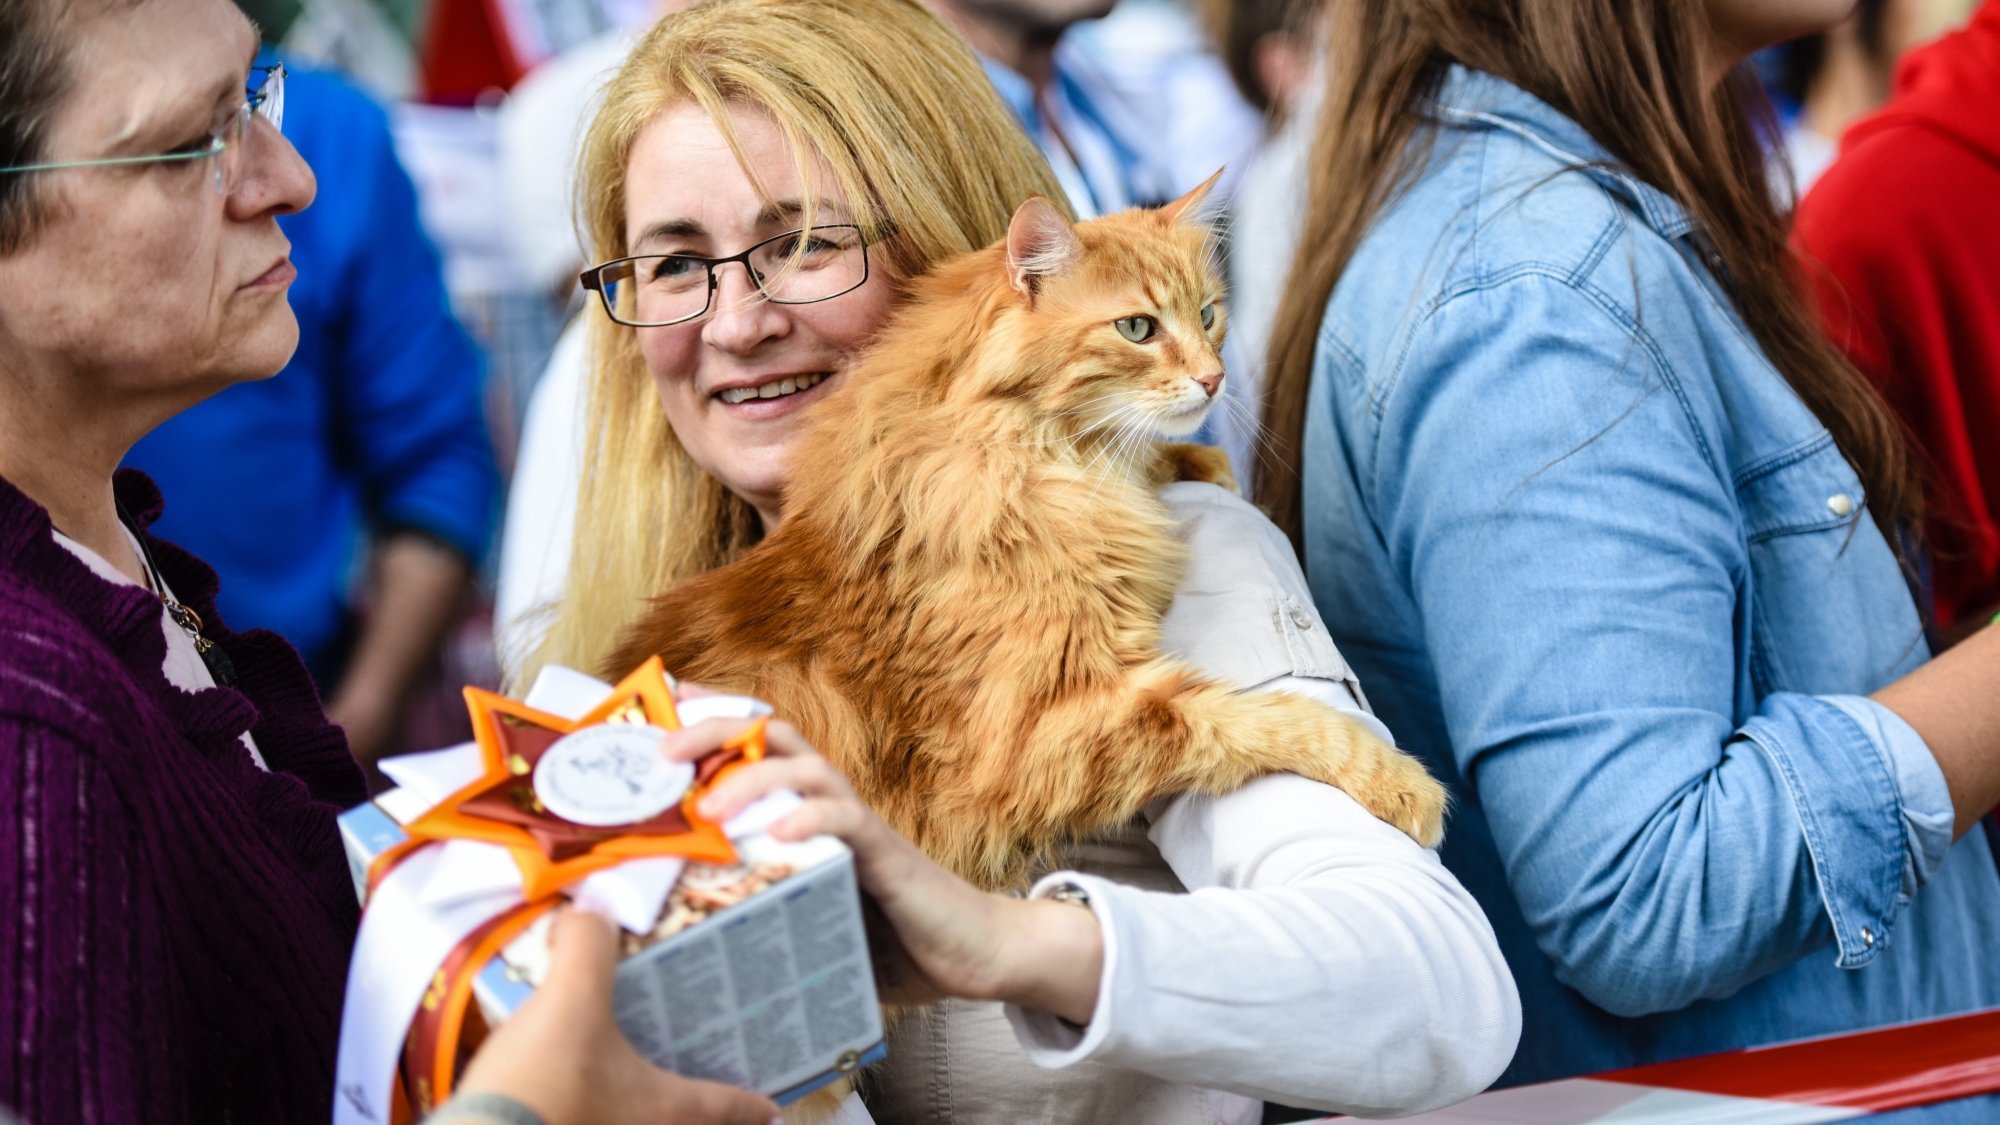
[1322,958]
[183,666]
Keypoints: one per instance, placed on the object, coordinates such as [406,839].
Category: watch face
[608,775]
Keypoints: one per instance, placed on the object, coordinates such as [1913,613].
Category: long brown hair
[1631,73]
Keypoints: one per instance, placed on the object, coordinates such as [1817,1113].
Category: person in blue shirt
[1608,529]
[1128,102]
[373,436]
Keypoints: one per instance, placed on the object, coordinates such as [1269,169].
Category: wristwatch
[1069,893]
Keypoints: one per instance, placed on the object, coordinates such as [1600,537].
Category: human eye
[201,144]
[794,246]
[810,248]
[674,270]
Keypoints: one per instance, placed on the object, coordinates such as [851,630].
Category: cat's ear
[1040,243]
[1190,208]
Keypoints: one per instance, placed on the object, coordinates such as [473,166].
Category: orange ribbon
[501,808]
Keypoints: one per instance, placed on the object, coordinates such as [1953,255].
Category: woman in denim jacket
[1601,521]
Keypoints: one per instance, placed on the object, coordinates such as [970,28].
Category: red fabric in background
[1902,238]
[466,52]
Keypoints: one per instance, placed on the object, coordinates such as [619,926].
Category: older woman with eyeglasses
[175,910]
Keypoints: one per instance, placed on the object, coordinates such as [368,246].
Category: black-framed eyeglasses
[798,267]
[263,96]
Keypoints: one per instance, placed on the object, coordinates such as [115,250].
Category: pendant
[221,669]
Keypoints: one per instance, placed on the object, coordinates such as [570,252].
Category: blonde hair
[887,102]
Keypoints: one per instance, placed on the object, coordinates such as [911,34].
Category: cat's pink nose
[1211,382]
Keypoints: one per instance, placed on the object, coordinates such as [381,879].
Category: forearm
[1954,703]
[415,592]
[1336,965]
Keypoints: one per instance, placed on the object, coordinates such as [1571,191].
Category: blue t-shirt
[377,420]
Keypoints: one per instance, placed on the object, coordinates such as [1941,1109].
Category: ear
[1188,208]
[1040,243]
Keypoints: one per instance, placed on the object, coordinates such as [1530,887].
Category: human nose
[275,179]
[742,319]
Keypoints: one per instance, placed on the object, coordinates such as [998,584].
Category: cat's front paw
[1181,460]
[1407,797]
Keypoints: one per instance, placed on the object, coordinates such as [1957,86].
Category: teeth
[777,388]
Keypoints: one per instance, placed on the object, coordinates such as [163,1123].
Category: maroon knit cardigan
[174,922]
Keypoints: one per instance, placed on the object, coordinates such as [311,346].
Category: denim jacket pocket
[1821,620]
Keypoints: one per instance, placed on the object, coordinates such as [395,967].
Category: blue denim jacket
[1595,560]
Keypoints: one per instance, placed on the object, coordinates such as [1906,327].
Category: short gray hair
[34,79]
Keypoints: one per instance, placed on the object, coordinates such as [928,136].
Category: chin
[263,352]
[1176,426]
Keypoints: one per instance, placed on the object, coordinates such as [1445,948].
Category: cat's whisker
[1245,415]
[1131,413]
[1125,417]
[1130,437]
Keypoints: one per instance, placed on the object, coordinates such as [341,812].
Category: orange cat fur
[962,605]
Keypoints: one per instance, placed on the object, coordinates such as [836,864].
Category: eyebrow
[777,210]
[167,125]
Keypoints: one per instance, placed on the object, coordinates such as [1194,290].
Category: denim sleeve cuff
[1850,811]
[1928,816]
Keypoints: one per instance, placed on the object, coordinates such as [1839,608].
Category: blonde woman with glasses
[1326,960]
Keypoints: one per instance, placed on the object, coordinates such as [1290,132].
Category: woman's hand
[562,1055]
[955,940]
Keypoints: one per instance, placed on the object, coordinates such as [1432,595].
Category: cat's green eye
[1208,316]
[1135,328]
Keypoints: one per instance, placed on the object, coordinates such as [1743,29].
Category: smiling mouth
[776,388]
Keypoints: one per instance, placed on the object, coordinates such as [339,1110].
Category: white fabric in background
[1266,216]
[541,503]
[540,131]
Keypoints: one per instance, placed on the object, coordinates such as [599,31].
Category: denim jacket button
[1868,937]
[1840,503]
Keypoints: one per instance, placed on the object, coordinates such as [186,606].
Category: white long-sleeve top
[1321,959]
[1318,958]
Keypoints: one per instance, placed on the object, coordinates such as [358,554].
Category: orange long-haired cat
[962,605]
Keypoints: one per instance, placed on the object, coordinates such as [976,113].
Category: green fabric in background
[276,17]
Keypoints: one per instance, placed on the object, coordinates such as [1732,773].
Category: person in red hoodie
[1902,241]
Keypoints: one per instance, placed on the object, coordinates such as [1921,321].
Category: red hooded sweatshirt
[1902,239]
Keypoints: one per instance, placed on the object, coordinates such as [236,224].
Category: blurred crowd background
[438,272]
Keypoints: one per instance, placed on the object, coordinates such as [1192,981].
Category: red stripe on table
[1884,1069]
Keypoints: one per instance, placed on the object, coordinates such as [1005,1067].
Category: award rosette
[745,960]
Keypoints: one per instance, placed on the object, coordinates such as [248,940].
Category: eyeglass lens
[795,268]
[266,101]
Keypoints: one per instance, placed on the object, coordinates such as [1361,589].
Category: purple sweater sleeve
[83,1001]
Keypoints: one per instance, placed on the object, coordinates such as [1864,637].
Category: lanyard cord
[220,668]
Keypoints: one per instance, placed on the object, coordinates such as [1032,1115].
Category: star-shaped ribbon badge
[570,798]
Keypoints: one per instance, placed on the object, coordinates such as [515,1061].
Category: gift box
[744,957]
